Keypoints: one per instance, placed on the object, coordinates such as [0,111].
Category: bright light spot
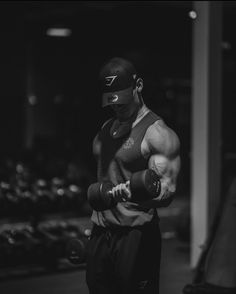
[192,14]
[19,168]
[32,99]
[60,192]
[74,189]
[58,32]
[87,232]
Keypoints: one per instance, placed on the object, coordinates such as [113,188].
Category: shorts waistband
[117,228]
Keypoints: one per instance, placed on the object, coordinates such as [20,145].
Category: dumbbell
[24,244]
[4,189]
[59,194]
[76,248]
[25,196]
[16,252]
[76,196]
[43,196]
[144,185]
[6,246]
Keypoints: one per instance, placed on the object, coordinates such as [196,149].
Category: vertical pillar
[206,121]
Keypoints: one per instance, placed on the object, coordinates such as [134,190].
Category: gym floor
[175,268]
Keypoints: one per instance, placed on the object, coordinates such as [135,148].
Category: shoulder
[161,139]
[103,127]
[97,139]
[107,122]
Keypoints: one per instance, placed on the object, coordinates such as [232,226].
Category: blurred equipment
[43,206]
[76,249]
[216,270]
[19,245]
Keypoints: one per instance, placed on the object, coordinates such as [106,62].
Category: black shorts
[124,260]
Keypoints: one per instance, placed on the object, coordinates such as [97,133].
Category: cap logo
[113,98]
[109,80]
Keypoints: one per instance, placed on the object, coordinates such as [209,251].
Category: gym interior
[50,112]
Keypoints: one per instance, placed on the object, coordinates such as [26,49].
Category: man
[125,247]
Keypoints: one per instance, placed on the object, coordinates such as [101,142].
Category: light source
[58,31]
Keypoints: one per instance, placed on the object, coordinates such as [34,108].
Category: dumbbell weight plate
[75,251]
[99,197]
[152,182]
[145,185]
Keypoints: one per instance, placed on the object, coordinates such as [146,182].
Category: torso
[117,160]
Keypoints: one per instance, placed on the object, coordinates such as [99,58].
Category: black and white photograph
[118,147]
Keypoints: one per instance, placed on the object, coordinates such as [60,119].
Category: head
[121,87]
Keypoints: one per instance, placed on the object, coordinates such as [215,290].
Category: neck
[132,117]
[142,112]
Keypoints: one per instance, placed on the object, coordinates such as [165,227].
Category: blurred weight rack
[41,209]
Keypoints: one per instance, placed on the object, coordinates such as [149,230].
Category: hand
[121,192]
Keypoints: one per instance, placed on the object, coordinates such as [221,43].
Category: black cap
[117,79]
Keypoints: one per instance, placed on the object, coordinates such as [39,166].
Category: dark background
[61,73]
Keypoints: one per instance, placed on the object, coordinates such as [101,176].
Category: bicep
[167,168]
[163,145]
[97,144]
[160,139]
[164,148]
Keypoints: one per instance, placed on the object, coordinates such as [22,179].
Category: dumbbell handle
[100,196]
[144,185]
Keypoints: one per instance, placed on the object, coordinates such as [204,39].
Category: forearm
[163,200]
[168,171]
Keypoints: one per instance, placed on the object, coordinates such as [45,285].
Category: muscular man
[125,246]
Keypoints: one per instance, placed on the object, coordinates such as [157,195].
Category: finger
[117,191]
[127,193]
[121,188]
[127,184]
[120,192]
